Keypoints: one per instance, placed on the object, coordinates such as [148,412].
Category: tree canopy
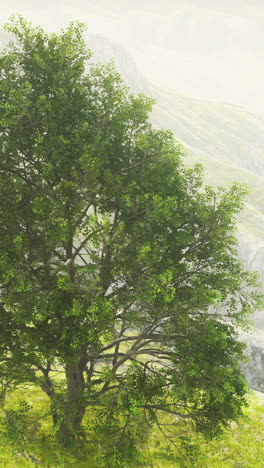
[118,267]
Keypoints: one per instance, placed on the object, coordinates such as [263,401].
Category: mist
[204,49]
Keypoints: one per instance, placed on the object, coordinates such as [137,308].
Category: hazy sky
[209,49]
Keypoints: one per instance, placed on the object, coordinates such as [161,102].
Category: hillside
[228,140]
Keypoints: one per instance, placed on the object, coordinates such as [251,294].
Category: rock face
[253,369]
[229,142]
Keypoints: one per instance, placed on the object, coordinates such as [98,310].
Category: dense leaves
[118,267]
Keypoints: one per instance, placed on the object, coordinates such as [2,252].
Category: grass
[240,446]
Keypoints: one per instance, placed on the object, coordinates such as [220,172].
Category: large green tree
[117,266]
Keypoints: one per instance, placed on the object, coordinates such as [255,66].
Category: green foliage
[118,268]
[16,421]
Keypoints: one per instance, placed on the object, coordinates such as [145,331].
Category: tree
[117,266]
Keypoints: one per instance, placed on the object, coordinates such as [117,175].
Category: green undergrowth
[27,440]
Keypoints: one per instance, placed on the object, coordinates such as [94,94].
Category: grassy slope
[239,447]
[229,142]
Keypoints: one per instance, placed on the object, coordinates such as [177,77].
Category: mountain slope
[228,140]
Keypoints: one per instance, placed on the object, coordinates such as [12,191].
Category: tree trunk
[74,407]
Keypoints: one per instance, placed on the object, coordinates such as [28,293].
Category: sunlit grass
[240,446]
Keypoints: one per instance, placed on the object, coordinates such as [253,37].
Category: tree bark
[74,406]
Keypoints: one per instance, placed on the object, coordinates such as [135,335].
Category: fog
[205,49]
